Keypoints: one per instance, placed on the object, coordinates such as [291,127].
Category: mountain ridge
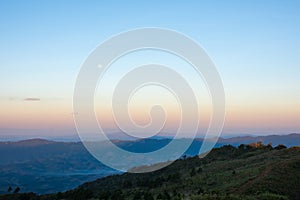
[60,166]
[37,141]
[246,172]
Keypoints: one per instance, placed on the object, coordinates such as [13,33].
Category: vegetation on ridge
[254,171]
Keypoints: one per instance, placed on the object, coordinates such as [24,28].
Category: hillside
[226,170]
[252,171]
[60,166]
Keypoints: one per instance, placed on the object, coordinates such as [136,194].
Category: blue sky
[255,45]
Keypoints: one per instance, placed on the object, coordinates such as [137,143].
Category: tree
[9,189]
[17,190]
[59,195]
[242,147]
[280,146]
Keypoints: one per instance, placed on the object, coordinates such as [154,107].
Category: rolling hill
[43,166]
[253,171]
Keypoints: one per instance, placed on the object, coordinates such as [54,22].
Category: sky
[254,45]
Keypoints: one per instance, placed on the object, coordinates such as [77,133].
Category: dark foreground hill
[254,171]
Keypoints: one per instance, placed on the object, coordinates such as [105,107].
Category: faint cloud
[32,99]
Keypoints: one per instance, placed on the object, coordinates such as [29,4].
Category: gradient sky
[254,44]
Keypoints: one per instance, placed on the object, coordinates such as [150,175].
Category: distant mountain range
[288,140]
[44,166]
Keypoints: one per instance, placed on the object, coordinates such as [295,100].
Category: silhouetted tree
[9,189]
[242,147]
[280,146]
[17,190]
[59,195]
[251,146]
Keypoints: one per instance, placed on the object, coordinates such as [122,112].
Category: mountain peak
[34,142]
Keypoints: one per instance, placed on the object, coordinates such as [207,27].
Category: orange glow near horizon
[36,114]
[240,118]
